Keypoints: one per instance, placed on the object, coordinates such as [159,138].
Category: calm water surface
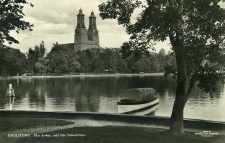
[100,94]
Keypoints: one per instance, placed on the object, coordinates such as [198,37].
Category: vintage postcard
[111,71]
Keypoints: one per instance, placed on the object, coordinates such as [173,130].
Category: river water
[101,94]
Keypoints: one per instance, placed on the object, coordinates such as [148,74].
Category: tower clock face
[96,32]
[77,31]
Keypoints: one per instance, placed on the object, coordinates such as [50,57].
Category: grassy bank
[94,131]
[10,124]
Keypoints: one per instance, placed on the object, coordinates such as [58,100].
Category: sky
[55,21]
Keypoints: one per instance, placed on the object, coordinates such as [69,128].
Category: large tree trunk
[177,126]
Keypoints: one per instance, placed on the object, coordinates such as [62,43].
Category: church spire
[92,21]
[80,19]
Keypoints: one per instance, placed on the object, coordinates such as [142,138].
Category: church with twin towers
[84,38]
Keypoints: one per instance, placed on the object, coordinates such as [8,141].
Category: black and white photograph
[112,71]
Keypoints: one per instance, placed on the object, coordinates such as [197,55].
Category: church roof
[68,46]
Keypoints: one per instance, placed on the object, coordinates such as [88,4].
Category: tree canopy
[11,18]
[12,61]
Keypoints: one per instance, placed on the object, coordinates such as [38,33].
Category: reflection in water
[11,102]
[100,94]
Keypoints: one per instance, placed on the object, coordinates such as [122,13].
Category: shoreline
[84,75]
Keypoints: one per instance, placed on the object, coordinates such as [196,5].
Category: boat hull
[149,111]
[131,108]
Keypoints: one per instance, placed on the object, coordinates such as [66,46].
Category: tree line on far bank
[65,61]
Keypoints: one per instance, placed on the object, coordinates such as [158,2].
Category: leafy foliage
[36,60]
[58,59]
[196,31]
[12,62]
[11,18]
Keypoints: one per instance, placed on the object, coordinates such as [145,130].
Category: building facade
[84,38]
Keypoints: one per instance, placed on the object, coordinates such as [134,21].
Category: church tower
[83,38]
[93,31]
[80,31]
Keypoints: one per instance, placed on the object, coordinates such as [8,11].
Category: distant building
[84,38]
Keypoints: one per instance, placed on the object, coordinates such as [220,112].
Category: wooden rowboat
[137,99]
